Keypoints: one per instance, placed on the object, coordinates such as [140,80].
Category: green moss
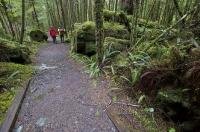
[88,26]
[4,35]
[12,51]
[109,15]
[38,35]
[116,44]
[12,77]
[177,95]
[85,34]
[86,31]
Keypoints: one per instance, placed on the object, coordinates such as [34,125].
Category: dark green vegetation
[153,54]
[150,48]
[16,51]
[13,71]
[12,78]
[38,36]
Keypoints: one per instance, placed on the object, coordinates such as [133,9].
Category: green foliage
[86,31]
[147,120]
[116,44]
[88,26]
[109,15]
[3,35]
[12,77]
[90,63]
[84,34]
[15,52]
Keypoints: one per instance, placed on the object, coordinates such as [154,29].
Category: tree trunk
[63,15]
[23,22]
[35,14]
[8,18]
[179,12]
[99,5]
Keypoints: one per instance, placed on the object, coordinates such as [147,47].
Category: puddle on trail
[41,122]
[19,129]
[45,67]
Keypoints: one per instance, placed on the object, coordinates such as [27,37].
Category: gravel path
[62,97]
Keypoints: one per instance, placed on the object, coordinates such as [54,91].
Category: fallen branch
[168,29]
[171,27]
[127,104]
[194,42]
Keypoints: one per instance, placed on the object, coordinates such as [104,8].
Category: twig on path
[107,106]
[120,103]
[127,104]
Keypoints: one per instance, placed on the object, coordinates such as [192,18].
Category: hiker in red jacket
[53,33]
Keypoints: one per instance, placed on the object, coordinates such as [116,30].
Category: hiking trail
[62,97]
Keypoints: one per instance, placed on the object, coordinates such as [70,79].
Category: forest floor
[62,97]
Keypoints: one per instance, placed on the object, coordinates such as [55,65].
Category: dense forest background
[148,47]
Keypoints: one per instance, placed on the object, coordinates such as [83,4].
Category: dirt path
[62,98]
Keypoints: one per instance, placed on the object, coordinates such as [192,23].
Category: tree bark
[179,12]
[8,18]
[35,14]
[23,22]
[63,15]
[99,5]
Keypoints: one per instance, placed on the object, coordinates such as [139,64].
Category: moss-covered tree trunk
[99,5]
[63,16]
[35,14]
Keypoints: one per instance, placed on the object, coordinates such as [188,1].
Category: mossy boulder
[38,36]
[86,31]
[83,37]
[116,44]
[14,52]
[116,30]
[118,17]
[109,15]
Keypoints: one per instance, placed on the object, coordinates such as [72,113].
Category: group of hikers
[54,32]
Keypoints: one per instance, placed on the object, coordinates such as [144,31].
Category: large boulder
[38,35]
[14,52]
[83,37]
[116,44]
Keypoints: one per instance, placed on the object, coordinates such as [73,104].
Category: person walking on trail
[53,33]
[61,32]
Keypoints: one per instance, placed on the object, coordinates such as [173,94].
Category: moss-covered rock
[38,36]
[83,37]
[86,31]
[118,17]
[14,52]
[116,44]
[116,30]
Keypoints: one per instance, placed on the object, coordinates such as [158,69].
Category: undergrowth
[12,78]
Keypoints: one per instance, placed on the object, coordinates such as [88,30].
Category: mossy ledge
[12,78]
